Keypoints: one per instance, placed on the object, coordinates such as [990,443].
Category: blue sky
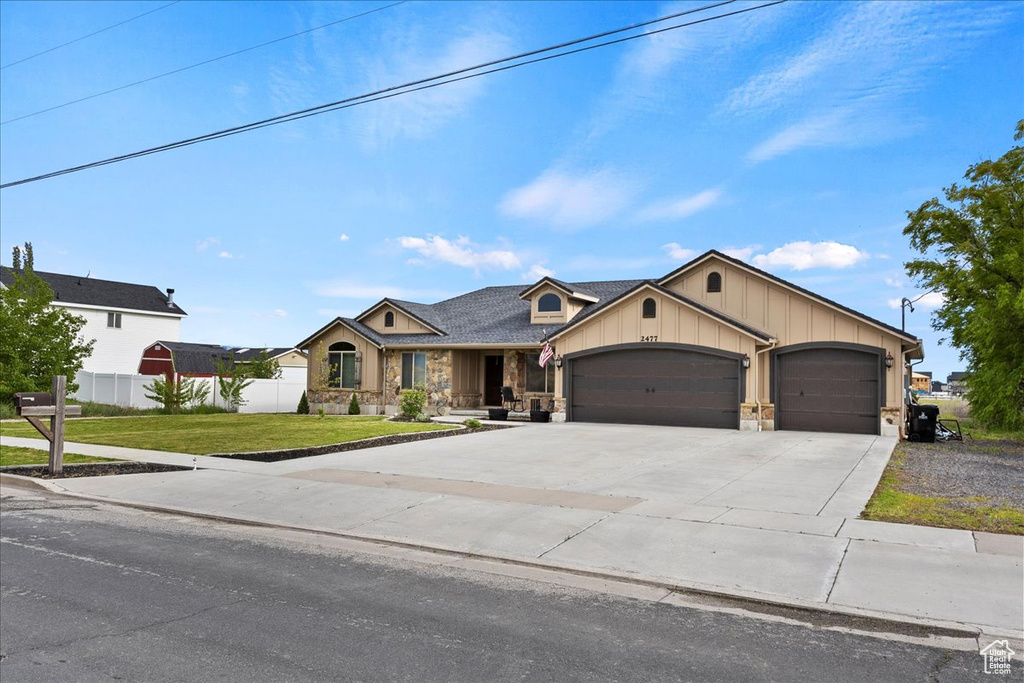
[795,137]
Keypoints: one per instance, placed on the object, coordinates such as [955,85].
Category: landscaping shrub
[422,417]
[412,401]
[353,405]
[473,424]
[303,408]
[7,410]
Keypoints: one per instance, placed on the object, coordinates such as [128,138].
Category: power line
[415,86]
[90,35]
[203,63]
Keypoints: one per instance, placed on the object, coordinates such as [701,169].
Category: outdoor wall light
[746,361]
[888,359]
[558,361]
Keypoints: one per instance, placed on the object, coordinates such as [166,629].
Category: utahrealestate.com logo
[997,657]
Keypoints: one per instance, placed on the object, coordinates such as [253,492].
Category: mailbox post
[33,406]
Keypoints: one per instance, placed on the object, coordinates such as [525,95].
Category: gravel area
[966,469]
[97,469]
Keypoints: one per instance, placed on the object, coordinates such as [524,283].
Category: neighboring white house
[123,318]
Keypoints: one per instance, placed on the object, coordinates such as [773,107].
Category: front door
[494,377]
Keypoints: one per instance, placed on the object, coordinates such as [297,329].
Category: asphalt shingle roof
[73,289]
[192,358]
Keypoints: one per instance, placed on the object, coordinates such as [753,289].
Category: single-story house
[714,343]
[122,317]
[175,359]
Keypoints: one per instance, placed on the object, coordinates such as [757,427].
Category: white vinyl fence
[262,396]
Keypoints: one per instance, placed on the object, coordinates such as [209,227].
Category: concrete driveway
[682,473]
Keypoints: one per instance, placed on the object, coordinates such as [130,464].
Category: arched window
[549,303]
[389,319]
[715,282]
[650,308]
[341,365]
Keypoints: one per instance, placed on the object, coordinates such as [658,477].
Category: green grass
[890,504]
[225,433]
[15,455]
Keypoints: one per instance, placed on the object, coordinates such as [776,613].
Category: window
[389,319]
[549,303]
[414,370]
[650,308]
[714,282]
[538,379]
[114,320]
[341,359]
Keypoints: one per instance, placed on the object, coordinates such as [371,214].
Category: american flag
[546,354]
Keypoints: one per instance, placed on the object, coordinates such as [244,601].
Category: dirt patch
[990,471]
[389,440]
[91,469]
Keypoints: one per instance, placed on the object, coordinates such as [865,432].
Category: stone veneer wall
[336,401]
[439,380]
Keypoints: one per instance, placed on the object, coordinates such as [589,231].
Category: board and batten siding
[371,369]
[788,315]
[404,324]
[674,323]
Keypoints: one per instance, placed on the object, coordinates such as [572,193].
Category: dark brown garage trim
[844,385]
[639,400]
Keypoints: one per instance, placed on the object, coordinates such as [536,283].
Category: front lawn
[15,455]
[225,433]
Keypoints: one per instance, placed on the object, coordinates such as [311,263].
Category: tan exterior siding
[369,354]
[292,359]
[539,318]
[404,324]
[674,323]
[787,315]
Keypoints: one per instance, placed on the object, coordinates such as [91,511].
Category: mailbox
[32,399]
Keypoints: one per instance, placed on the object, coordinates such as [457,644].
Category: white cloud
[741,253]
[344,238]
[893,282]
[570,201]
[276,313]
[225,254]
[927,301]
[204,244]
[804,255]
[681,207]
[417,115]
[851,81]
[537,272]
[460,252]
[677,252]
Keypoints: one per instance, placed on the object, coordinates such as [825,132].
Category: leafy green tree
[187,393]
[972,251]
[232,379]
[263,367]
[37,340]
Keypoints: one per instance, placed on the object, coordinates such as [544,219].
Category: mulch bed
[966,469]
[389,440]
[91,469]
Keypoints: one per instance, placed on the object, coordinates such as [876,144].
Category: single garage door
[828,390]
[655,386]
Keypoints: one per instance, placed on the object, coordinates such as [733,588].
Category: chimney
[170,297]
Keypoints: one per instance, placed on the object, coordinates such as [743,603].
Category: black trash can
[923,419]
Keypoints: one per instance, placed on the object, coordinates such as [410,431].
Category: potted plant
[497,414]
[540,416]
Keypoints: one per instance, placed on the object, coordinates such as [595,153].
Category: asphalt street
[91,592]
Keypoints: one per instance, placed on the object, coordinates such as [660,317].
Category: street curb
[751,601]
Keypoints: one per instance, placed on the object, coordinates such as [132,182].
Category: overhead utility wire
[203,63]
[94,33]
[413,86]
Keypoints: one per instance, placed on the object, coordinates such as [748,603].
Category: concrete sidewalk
[602,512]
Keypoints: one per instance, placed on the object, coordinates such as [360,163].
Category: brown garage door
[655,386]
[828,390]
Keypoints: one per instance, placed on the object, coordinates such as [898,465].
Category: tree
[37,340]
[972,251]
[263,367]
[231,381]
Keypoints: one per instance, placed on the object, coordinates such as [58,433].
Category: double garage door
[685,387]
[819,389]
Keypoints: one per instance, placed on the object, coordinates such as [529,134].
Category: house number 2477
[651,338]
